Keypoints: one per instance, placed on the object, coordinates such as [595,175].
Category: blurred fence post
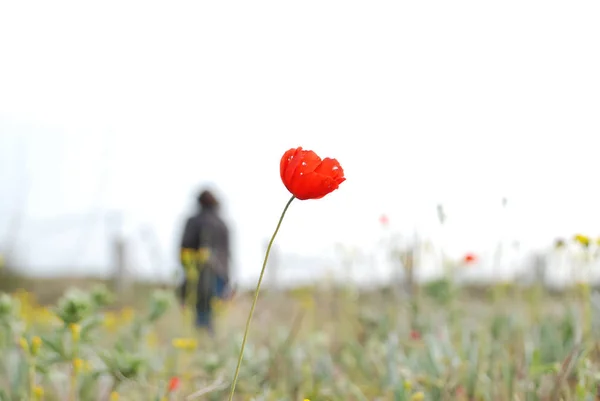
[152,242]
[540,269]
[119,253]
[408,260]
[119,260]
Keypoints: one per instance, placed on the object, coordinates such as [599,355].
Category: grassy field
[442,343]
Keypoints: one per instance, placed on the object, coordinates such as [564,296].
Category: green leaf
[55,344]
[20,379]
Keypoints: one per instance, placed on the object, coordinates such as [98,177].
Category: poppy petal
[306,163]
[313,186]
[330,167]
[285,160]
[301,163]
[306,176]
[289,162]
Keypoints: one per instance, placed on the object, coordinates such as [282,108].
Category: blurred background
[458,261]
[113,115]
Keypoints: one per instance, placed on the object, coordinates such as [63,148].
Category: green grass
[500,343]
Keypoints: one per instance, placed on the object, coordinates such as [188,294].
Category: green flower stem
[32,369]
[260,278]
[75,356]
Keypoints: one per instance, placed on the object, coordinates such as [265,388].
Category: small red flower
[415,335]
[174,384]
[470,258]
[306,176]
[384,220]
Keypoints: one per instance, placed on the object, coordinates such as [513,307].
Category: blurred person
[206,233]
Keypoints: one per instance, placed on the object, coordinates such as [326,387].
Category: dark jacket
[207,229]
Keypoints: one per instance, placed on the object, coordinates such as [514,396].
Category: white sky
[132,105]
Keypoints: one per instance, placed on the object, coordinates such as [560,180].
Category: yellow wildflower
[582,239]
[114,396]
[407,385]
[24,297]
[24,344]
[188,344]
[46,316]
[127,315]
[110,321]
[38,392]
[75,331]
[77,365]
[36,344]
[418,396]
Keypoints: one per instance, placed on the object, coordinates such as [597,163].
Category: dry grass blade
[219,384]
[566,369]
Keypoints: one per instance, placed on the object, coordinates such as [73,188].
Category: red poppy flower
[470,258]
[306,176]
[384,220]
[174,384]
[460,391]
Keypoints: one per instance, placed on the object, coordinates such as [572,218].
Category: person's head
[207,201]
